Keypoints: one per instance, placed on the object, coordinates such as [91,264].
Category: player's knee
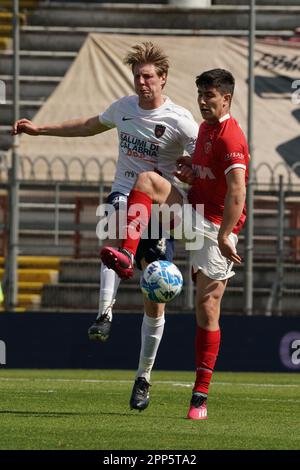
[153,309]
[207,312]
[146,182]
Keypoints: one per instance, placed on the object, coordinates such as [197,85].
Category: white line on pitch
[162,382]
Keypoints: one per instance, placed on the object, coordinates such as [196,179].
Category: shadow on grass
[63,414]
[46,414]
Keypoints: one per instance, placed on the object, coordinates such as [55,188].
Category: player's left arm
[233,208]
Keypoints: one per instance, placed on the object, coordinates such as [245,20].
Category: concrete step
[37,242]
[258,2]
[41,242]
[133,2]
[264,274]
[129,298]
[68,38]
[40,230]
[233,301]
[269,217]
[88,271]
[6,139]
[168,2]
[81,270]
[164,16]
[41,38]
[27,110]
[49,225]
[31,87]
[39,217]
[39,63]
[265,247]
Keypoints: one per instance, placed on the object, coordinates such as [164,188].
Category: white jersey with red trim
[220,148]
[149,139]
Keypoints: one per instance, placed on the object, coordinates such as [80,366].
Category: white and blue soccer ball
[161,281]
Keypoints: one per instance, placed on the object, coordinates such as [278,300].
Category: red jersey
[219,149]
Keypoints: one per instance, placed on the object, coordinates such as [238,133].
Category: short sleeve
[108,117]
[188,130]
[233,152]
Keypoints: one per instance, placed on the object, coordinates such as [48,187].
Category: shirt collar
[224,118]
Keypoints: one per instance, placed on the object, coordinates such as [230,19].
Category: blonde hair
[148,53]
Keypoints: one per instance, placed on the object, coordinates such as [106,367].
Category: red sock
[207,348]
[137,219]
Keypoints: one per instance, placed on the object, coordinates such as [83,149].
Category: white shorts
[211,262]
[205,255]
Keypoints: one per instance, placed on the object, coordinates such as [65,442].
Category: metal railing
[41,168]
[59,218]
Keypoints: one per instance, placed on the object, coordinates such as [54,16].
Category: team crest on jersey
[207,146]
[159,130]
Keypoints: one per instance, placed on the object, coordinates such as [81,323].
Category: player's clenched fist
[184,170]
[26,126]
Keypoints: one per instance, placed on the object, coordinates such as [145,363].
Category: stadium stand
[68,280]
[51,36]
[53,32]
[6,17]
[33,273]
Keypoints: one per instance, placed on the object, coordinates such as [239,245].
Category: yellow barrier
[33,272]
[51,262]
[23,4]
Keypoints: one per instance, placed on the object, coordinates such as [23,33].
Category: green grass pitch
[79,409]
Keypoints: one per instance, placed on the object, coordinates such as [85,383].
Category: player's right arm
[82,127]
[188,130]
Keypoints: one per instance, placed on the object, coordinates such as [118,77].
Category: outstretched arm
[233,208]
[81,127]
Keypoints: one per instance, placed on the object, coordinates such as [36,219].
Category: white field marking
[179,385]
[284,400]
[162,382]
[258,385]
[175,384]
[23,379]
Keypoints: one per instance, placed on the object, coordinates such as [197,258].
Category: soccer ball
[161,281]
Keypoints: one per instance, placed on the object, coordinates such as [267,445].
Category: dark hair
[217,78]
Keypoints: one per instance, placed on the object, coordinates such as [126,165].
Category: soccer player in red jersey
[218,176]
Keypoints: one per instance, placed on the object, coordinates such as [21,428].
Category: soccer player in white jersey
[153,133]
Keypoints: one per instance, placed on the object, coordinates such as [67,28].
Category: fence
[92,169]
[57,217]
